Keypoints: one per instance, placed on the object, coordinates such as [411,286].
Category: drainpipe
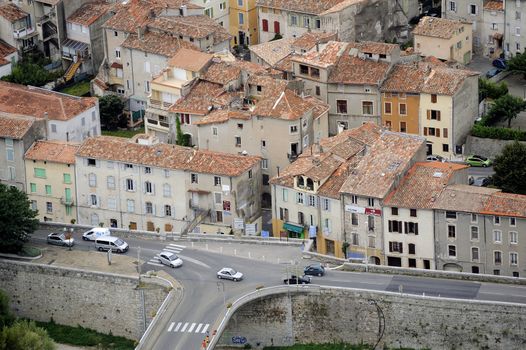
[485,246]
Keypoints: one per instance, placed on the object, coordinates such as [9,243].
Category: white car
[229,274]
[170,259]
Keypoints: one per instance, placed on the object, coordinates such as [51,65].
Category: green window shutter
[67,178]
[68,195]
[39,172]
[33,187]
[48,189]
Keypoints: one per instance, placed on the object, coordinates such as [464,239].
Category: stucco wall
[328,315]
[486,147]
[103,302]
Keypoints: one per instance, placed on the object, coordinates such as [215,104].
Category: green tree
[17,218]
[510,169]
[182,139]
[517,63]
[111,112]
[489,89]
[29,70]
[6,317]
[506,107]
[25,335]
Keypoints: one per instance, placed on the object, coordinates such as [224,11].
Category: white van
[95,233]
[109,242]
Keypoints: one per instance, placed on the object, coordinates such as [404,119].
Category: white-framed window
[11,172]
[514,258]
[327,225]
[166,173]
[93,200]
[474,233]
[285,195]
[110,182]
[517,31]
[214,131]
[474,254]
[148,208]
[118,52]
[194,178]
[514,237]
[112,203]
[472,9]
[293,20]
[49,207]
[218,198]
[167,210]
[513,222]
[217,181]
[452,6]
[264,163]
[497,257]
[326,203]
[474,218]
[496,220]
[497,236]
[241,18]
[148,187]
[130,185]
[312,201]
[293,129]
[452,251]
[367,108]
[299,198]
[240,3]
[92,180]
[167,190]
[130,204]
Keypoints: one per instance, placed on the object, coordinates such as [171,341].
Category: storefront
[293,231]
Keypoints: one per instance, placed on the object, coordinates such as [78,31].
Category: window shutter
[437,132]
[406,227]
[153,209]
[416,228]
[390,246]
[390,226]
[444,133]
[401,247]
[425,131]
[400,226]
[153,188]
[429,114]
[438,115]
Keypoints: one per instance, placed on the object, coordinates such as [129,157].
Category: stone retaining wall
[99,301]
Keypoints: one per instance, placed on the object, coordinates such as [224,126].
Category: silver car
[58,238]
[229,274]
[170,259]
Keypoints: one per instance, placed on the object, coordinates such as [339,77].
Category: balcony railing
[66,201]
[23,32]
[160,104]
[157,122]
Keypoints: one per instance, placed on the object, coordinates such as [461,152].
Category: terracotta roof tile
[5,50]
[505,204]
[375,47]
[422,185]
[222,73]
[90,12]
[197,27]
[190,60]
[14,126]
[342,5]
[252,68]
[32,101]
[53,151]
[218,116]
[200,98]
[465,198]
[166,156]
[438,27]
[353,70]
[328,55]
[286,105]
[382,164]
[285,64]
[446,81]
[494,5]
[303,6]
[309,39]
[273,51]
[11,12]
[157,43]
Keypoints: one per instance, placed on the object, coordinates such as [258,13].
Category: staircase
[200,216]
[70,73]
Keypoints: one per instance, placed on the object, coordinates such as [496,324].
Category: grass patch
[30,252]
[123,133]
[80,336]
[79,89]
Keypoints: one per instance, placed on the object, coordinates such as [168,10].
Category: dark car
[492,72]
[297,280]
[314,270]
[481,182]
[499,63]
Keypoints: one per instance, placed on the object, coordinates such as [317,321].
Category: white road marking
[171,326]
[153,263]
[184,327]
[177,246]
[198,327]
[178,326]
[191,328]
[186,258]
[173,250]
[205,328]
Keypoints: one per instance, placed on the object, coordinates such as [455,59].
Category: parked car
[95,233]
[314,270]
[170,259]
[58,238]
[297,280]
[109,242]
[480,181]
[499,63]
[229,274]
[435,158]
[492,72]
[475,160]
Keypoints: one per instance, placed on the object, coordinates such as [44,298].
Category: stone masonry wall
[333,315]
[486,147]
[103,302]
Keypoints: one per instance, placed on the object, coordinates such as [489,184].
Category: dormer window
[310,184]
[300,182]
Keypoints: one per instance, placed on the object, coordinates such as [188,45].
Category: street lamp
[221,285]
[381,321]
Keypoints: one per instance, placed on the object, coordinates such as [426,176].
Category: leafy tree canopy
[507,108]
[510,169]
[182,139]
[6,317]
[489,89]
[111,112]
[25,335]
[517,63]
[17,218]
[30,71]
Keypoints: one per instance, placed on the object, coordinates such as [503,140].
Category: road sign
[250,229]
[238,224]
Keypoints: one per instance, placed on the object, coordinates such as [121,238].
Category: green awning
[293,228]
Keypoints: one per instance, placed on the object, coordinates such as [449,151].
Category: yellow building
[50,179]
[243,22]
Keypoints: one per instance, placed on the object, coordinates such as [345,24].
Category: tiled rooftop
[354,70]
[328,55]
[286,105]
[505,204]
[11,12]
[166,156]
[493,5]
[422,185]
[200,98]
[438,27]
[219,116]
[465,198]
[53,151]
[190,60]
[273,51]
[5,50]
[90,12]
[157,43]
[222,73]
[308,40]
[305,6]
[197,27]
[375,47]
[32,101]
[14,126]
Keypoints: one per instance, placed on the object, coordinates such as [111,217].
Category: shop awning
[355,256]
[292,227]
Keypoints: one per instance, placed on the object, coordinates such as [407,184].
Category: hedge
[490,132]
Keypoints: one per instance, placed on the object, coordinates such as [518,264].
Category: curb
[18,257]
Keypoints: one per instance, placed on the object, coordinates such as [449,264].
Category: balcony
[24,33]
[158,123]
[292,157]
[66,201]
[159,104]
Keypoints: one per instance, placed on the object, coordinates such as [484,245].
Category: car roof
[167,253]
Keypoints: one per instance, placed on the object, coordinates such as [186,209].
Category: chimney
[317,46]
[183,11]
[139,33]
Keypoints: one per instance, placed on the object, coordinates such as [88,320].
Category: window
[166,173]
[146,86]
[128,166]
[474,218]
[66,178]
[93,200]
[451,231]
[264,24]
[318,24]
[517,15]
[451,215]
[217,181]
[496,272]
[112,203]
[304,69]
[284,214]
[285,195]
[318,91]
[49,207]
[370,202]
[314,72]
[474,253]
[130,185]
[34,205]
[238,141]
[412,248]
[452,251]
[167,210]
[184,118]
[92,180]
[115,33]
[411,227]
[276,27]
[299,198]
[306,22]
[131,205]
[403,108]
[372,242]
[148,187]
[497,257]
[241,21]
[387,107]
[395,226]
[396,247]
[367,107]
[370,222]
[497,236]
[327,225]
[250,175]
[147,170]
[355,238]
[412,212]
[194,178]
[219,216]
[53,128]
[240,3]
[514,238]
[452,6]
[403,127]
[496,220]
[326,204]
[433,98]
[293,129]
[312,201]
[110,182]
[394,211]
[148,208]
[513,222]
[214,131]
[517,31]
[293,20]
[264,163]
[472,9]
[474,233]
[48,190]
[341,106]
[354,219]
[33,187]
[41,173]
[514,258]
[118,52]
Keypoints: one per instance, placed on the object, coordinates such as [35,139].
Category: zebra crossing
[174,248]
[188,327]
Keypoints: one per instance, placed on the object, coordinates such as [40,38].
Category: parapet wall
[99,301]
[320,315]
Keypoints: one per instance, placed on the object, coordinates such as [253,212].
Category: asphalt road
[205,295]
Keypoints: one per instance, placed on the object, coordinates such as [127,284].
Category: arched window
[310,184]
[301,181]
